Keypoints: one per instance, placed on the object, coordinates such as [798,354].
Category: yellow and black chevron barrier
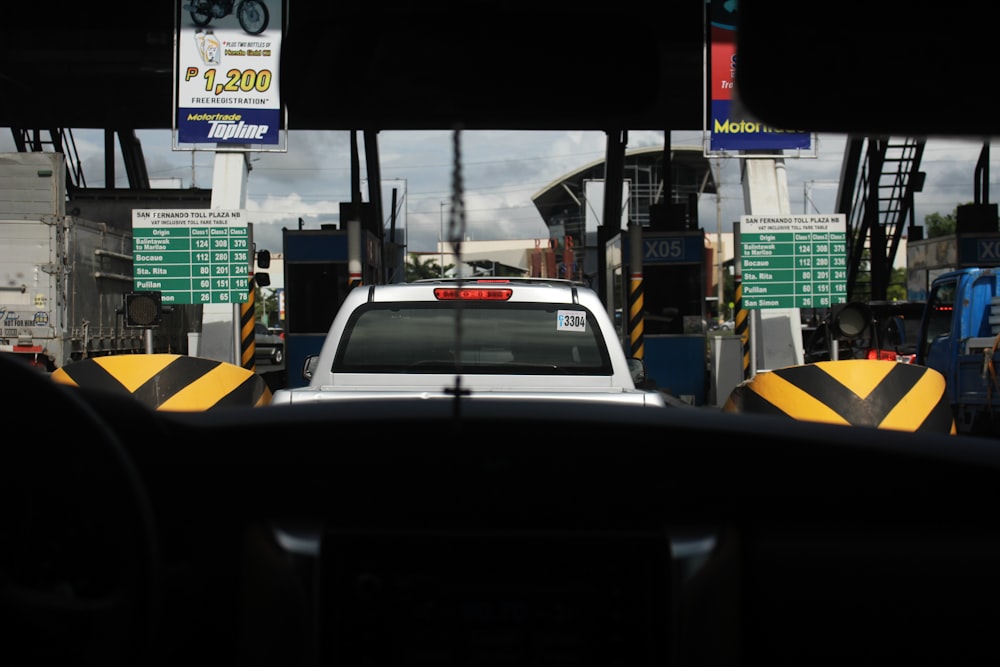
[248,344]
[169,381]
[635,319]
[857,392]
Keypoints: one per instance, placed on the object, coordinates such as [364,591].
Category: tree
[941,225]
[417,269]
[265,305]
[896,290]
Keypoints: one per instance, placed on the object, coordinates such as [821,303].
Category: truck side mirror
[309,366]
[637,369]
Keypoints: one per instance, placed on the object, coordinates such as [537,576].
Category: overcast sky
[501,170]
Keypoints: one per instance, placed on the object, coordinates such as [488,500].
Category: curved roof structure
[562,203]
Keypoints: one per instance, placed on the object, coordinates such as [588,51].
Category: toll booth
[926,259]
[321,266]
[673,307]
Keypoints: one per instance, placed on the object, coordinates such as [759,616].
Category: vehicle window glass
[893,334]
[941,304]
[404,338]
[899,327]
[320,288]
[910,331]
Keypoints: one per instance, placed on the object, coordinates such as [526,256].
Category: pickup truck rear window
[508,338]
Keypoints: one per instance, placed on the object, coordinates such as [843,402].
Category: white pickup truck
[530,338]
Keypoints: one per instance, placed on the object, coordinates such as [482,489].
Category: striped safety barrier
[857,392]
[169,381]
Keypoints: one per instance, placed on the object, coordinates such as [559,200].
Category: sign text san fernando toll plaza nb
[793,261]
[197,256]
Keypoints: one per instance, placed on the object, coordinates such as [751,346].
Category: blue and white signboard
[732,127]
[978,249]
[227,91]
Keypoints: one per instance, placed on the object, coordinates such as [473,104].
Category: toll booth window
[314,292]
[671,293]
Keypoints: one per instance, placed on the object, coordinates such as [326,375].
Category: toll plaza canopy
[388,65]
[523,65]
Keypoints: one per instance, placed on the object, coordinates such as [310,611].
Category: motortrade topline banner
[227,72]
[730,125]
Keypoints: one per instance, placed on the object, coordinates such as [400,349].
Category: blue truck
[960,337]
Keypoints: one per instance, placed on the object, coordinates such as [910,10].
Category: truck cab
[958,336]
[936,339]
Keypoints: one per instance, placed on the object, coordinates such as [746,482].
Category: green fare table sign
[192,256]
[793,261]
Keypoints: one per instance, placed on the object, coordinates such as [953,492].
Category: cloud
[500,171]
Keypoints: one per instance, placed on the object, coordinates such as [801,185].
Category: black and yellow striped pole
[635,300]
[247,340]
[742,328]
[741,317]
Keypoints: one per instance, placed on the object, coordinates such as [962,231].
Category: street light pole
[720,276]
[441,241]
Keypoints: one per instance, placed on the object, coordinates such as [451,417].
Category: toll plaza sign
[195,256]
[658,248]
[978,249]
[669,248]
[793,261]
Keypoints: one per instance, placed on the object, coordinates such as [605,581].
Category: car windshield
[263,404]
[515,338]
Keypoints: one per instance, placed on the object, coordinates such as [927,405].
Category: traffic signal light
[263,261]
[143,309]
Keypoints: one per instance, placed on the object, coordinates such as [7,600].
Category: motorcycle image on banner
[252,14]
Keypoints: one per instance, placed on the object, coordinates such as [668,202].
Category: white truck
[63,279]
[533,338]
